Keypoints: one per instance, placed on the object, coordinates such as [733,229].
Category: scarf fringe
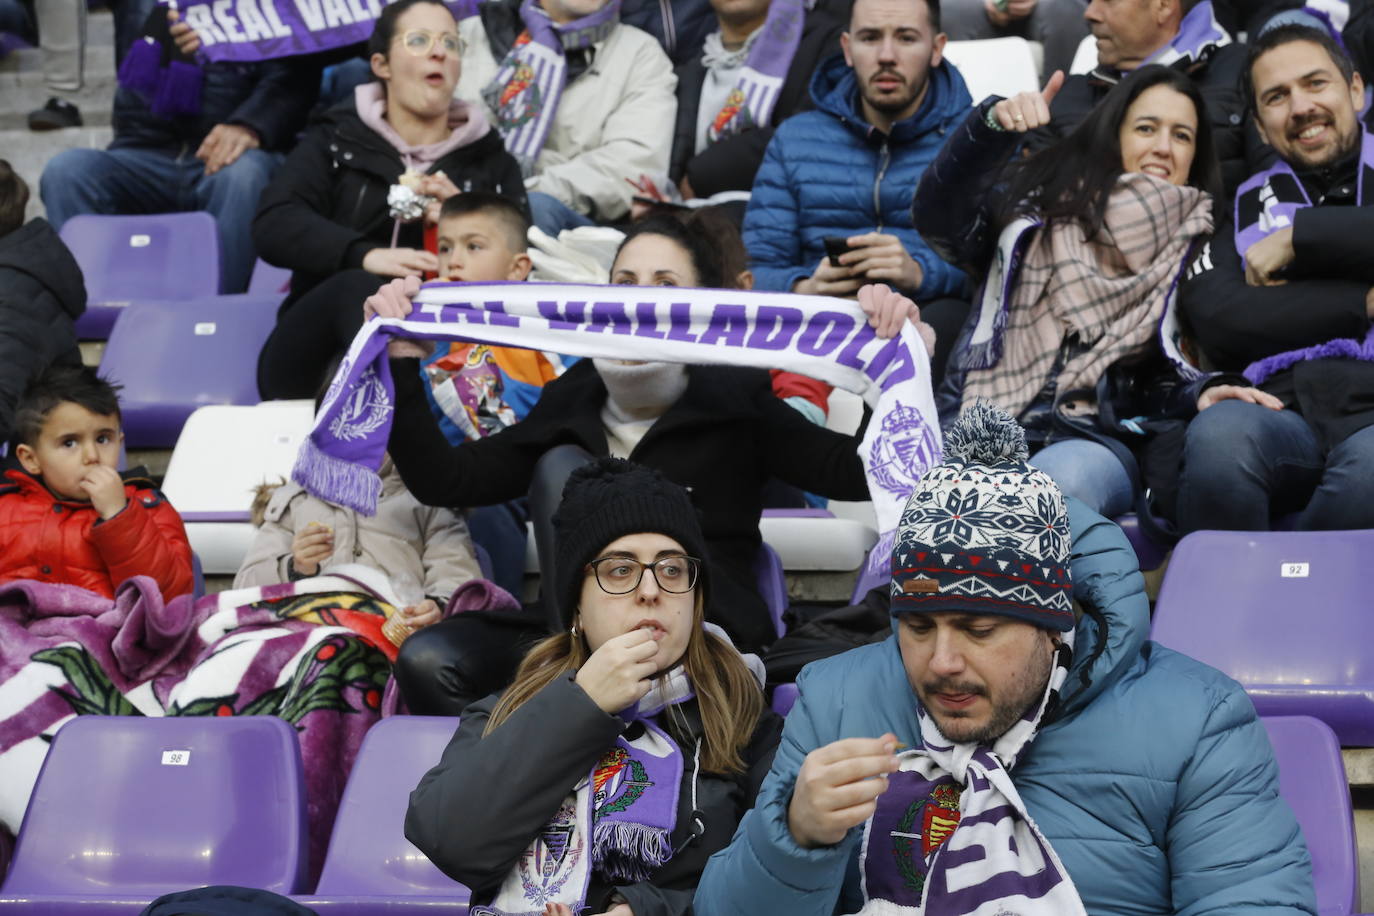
[141,66]
[630,852]
[1340,348]
[178,90]
[352,485]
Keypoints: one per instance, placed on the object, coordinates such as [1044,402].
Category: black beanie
[608,499]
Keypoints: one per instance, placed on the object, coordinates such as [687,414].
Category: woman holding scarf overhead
[629,745]
[1082,246]
[349,205]
[583,101]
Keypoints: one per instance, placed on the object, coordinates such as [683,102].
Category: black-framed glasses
[622,575]
[419,42]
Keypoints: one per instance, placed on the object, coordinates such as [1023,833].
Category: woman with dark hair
[631,741]
[1081,247]
[349,205]
[719,431]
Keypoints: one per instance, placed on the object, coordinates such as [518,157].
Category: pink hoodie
[468,123]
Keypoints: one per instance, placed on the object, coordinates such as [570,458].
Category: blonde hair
[727,694]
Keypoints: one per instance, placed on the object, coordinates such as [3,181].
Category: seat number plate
[176,758]
[1293,570]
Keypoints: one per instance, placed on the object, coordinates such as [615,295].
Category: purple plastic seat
[269,280]
[784,698]
[172,357]
[370,863]
[871,575]
[129,808]
[126,259]
[772,581]
[1285,613]
[1149,552]
[1312,781]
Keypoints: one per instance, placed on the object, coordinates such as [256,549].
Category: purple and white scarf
[618,819]
[524,94]
[952,836]
[1266,202]
[824,338]
[750,103]
[1199,34]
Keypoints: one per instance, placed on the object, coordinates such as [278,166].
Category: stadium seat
[1282,613]
[772,585]
[269,280]
[995,66]
[875,571]
[164,256]
[172,357]
[369,859]
[1085,58]
[222,455]
[1312,781]
[1149,552]
[128,808]
[784,698]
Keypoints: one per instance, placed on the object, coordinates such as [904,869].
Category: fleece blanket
[296,651]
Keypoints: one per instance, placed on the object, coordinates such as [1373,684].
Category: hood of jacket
[466,122]
[835,90]
[35,249]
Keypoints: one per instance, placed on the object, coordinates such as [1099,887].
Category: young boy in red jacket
[69,517]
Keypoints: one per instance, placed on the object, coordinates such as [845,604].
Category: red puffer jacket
[65,541]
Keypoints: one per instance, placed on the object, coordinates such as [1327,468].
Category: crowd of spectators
[1152,279]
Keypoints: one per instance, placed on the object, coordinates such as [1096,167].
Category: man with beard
[1001,753]
[846,170]
[1283,295]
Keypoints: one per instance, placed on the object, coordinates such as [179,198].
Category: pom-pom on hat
[984,532]
[607,499]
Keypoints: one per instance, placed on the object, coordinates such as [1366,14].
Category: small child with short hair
[69,517]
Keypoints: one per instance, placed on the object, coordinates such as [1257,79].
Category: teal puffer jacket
[1156,784]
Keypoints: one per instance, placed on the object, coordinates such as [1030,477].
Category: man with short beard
[1001,753]
[847,169]
[1284,294]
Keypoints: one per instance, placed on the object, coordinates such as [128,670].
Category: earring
[573,630]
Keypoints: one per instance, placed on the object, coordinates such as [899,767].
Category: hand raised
[618,673]
[887,309]
[1026,111]
[105,490]
[838,787]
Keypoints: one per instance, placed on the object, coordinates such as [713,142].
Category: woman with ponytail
[629,745]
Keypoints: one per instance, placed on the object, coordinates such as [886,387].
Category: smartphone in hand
[836,245]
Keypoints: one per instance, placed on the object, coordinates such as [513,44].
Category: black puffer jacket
[41,293]
[326,208]
[481,805]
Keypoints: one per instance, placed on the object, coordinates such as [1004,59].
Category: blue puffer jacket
[828,172]
[1156,784]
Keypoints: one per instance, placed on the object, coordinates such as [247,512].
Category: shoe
[55,115]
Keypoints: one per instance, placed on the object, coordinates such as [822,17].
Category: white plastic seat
[995,66]
[222,455]
[1085,58]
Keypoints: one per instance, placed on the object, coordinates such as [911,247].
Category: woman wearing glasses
[628,746]
[347,206]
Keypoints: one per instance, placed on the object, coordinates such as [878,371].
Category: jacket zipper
[884,158]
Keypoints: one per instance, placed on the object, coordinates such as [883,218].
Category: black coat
[272,97]
[480,807]
[1325,298]
[1238,144]
[41,293]
[730,164]
[326,207]
[722,440]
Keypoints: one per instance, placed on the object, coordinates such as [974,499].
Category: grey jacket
[478,809]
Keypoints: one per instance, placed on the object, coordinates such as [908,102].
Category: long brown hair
[728,696]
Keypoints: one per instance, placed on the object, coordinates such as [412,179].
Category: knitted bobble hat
[985,533]
[608,499]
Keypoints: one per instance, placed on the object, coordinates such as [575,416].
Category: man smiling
[1058,765]
[1285,296]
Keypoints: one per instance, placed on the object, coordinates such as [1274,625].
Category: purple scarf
[1266,202]
[1340,348]
[750,103]
[1199,34]
[524,93]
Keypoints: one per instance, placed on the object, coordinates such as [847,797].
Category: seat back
[368,852]
[268,279]
[772,582]
[133,806]
[1312,781]
[170,256]
[222,454]
[1228,599]
[1085,58]
[172,357]
[1000,66]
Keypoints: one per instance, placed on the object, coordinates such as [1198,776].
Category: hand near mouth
[617,675]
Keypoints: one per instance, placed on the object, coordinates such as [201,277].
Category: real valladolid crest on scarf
[824,338]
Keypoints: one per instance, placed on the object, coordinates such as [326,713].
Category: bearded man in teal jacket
[1058,762]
